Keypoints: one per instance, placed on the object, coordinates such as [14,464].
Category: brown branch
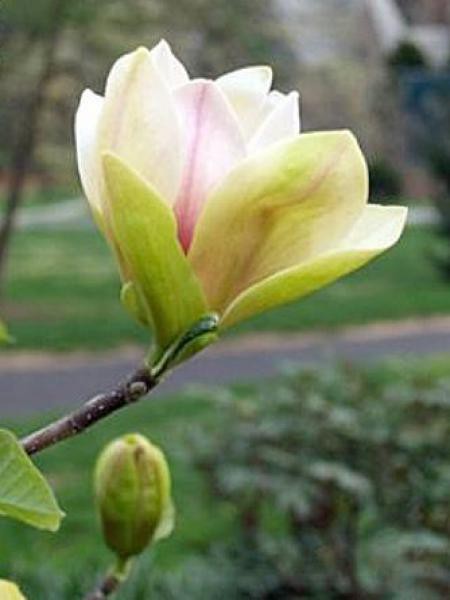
[106,588]
[132,389]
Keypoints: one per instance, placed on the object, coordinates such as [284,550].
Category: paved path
[49,382]
[73,212]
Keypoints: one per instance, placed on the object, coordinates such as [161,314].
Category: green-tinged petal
[10,591]
[283,206]
[378,229]
[146,232]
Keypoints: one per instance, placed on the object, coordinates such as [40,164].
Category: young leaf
[24,493]
[4,335]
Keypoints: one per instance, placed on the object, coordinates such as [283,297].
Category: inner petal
[247,89]
[213,145]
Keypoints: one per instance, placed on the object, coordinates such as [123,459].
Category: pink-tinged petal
[140,124]
[168,65]
[86,127]
[213,146]
[246,90]
[282,122]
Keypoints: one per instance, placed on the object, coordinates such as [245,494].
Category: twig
[137,385]
[106,588]
[131,390]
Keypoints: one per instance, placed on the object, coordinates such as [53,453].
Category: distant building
[425,12]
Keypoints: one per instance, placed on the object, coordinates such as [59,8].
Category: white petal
[282,122]
[246,90]
[86,127]
[139,122]
[168,65]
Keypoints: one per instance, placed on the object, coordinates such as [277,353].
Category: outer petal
[86,127]
[140,124]
[282,206]
[170,68]
[145,230]
[213,146]
[246,90]
[282,122]
[378,229]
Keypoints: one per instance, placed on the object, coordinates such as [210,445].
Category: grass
[63,292]
[42,196]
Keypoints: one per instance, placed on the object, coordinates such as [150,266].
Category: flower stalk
[110,582]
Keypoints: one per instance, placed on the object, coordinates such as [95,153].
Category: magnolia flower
[211,198]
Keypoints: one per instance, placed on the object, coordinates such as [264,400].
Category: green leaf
[146,233]
[10,591]
[4,335]
[24,493]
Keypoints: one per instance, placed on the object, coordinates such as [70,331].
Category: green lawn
[42,196]
[63,293]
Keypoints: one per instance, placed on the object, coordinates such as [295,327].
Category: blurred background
[333,481]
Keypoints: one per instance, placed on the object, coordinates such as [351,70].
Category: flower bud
[132,488]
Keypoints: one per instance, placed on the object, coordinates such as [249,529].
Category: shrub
[407,55]
[340,483]
[385,181]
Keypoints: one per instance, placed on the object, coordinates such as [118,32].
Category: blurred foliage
[340,479]
[385,181]
[407,55]
[435,143]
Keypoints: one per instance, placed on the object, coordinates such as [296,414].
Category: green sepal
[200,335]
[145,230]
[25,494]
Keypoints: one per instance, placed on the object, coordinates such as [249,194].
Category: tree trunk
[23,150]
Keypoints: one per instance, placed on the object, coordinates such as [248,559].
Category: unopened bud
[132,488]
